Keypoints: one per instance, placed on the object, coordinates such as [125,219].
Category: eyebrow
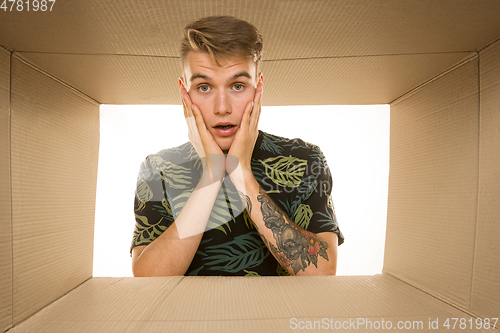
[234,77]
[199,76]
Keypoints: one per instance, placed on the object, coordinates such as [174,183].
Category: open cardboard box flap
[240,304]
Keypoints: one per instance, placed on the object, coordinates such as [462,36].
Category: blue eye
[238,87]
[204,88]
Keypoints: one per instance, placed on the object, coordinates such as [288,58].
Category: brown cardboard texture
[436,62]
[358,80]
[121,52]
[214,304]
[486,272]
[54,148]
[5,199]
[433,185]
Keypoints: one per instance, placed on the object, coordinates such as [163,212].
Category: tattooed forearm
[246,201]
[295,247]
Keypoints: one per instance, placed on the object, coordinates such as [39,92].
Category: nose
[222,105]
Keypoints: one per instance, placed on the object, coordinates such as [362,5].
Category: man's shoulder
[183,149]
[278,145]
[175,155]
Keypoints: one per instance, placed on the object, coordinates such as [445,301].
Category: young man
[233,200]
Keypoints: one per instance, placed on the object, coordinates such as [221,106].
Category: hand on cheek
[240,153]
[212,157]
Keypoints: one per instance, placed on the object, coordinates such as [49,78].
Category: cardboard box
[436,63]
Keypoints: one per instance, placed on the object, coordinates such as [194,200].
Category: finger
[185,108]
[254,120]
[192,131]
[190,119]
[245,120]
[194,136]
[181,93]
[200,122]
[259,110]
[188,114]
[186,102]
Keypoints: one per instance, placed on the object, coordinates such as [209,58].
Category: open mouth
[224,126]
[225,129]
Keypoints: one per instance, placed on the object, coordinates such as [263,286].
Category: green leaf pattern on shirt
[164,187]
[147,232]
[175,176]
[286,171]
[244,252]
[144,193]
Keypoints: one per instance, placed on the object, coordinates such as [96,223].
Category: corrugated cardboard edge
[41,311]
[354,28]
[472,56]
[484,297]
[436,296]
[19,56]
[376,79]
[6,272]
[485,291]
[234,304]
[434,158]
[49,199]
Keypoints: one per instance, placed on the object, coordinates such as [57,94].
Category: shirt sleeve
[152,207]
[316,212]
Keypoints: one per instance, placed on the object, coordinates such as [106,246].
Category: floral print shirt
[293,173]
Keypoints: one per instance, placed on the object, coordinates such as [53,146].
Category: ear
[260,78]
[181,82]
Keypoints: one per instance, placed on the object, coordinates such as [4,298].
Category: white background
[354,139]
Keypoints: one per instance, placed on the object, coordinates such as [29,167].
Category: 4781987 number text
[27,5]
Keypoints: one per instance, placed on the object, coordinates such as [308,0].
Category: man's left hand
[240,153]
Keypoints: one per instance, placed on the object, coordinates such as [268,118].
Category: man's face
[220,92]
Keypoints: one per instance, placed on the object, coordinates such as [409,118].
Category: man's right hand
[212,157]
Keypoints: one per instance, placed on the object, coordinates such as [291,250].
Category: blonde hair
[223,36]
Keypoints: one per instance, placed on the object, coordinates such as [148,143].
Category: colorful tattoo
[295,247]
[246,201]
